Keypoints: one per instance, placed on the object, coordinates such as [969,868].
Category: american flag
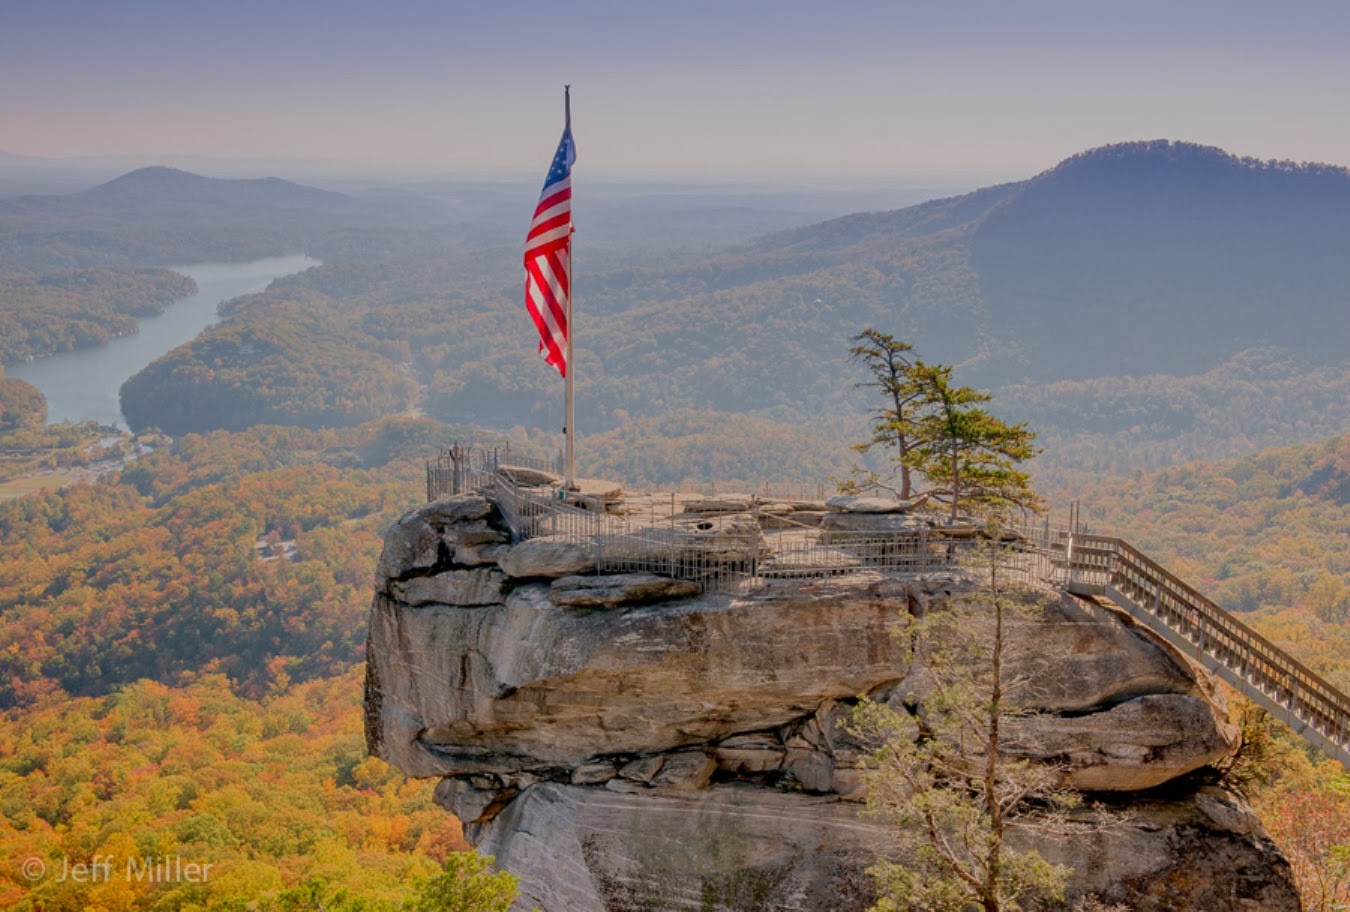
[548,256]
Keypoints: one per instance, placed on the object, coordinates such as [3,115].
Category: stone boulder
[530,683]
[1118,709]
[596,489]
[1135,745]
[733,538]
[855,504]
[529,477]
[543,558]
[478,555]
[435,536]
[418,541]
[797,519]
[473,799]
[842,525]
[593,773]
[461,588]
[727,503]
[686,770]
[643,769]
[613,590]
[806,506]
[750,753]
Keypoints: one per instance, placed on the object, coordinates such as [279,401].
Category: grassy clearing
[34,483]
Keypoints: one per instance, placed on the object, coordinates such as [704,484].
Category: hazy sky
[850,88]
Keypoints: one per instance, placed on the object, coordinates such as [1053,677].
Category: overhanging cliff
[621,742]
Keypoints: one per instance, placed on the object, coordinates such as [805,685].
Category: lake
[83,384]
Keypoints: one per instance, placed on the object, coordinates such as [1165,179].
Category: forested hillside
[272,800]
[300,362]
[1259,399]
[21,405]
[179,658]
[1267,535]
[155,574]
[61,311]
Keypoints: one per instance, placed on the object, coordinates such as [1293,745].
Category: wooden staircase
[1094,565]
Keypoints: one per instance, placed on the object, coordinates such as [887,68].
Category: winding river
[83,384]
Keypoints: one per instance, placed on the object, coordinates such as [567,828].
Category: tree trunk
[956,479]
[901,442]
[994,862]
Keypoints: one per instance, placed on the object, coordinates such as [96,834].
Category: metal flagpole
[568,428]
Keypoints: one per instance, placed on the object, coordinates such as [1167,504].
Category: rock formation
[623,742]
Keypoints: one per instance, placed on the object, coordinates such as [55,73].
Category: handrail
[1312,707]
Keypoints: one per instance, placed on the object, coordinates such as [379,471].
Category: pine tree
[888,361]
[968,453]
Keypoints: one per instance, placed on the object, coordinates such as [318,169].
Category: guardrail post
[672,555]
[459,470]
[598,540]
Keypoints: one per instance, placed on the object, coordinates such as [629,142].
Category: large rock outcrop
[615,739]
[737,847]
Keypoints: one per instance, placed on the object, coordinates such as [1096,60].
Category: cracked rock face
[737,847]
[609,734]
[551,686]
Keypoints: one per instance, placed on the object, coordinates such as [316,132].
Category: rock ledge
[591,729]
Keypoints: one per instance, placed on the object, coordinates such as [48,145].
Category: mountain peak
[1176,158]
[146,188]
[152,176]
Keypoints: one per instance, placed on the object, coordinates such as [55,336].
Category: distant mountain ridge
[1163,164]
[1172,256]
[160,215]
[159,185]
[159,197]
[1140,257]
[877,228]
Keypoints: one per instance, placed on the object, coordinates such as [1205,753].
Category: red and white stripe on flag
[548,258]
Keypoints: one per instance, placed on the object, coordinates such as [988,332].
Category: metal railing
[734,553]
[462,468]
[732,548]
